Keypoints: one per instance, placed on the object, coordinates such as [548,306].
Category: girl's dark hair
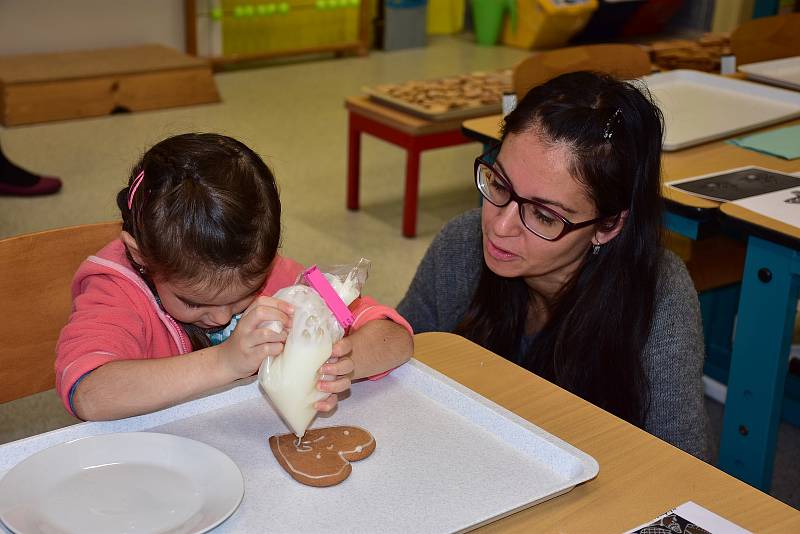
[600,321]
[207,211]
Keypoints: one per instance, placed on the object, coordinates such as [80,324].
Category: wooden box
[70,85]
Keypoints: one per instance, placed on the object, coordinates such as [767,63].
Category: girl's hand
[252,340]
[336,375]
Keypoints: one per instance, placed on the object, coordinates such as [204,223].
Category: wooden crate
[70,85]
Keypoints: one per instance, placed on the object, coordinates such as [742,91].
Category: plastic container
[445,16]
[256,28]
[404,24]
[607,22]
[651,17]
[487,19]
[546,23]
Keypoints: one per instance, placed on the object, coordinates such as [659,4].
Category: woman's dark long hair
[599,322]
[207,211]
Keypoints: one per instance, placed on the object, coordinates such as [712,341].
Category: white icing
[341,454]
[290,379]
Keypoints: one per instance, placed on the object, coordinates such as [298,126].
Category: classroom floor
[293,115]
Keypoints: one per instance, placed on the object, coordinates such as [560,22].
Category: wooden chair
[36,272]
[621,60]
[766,38]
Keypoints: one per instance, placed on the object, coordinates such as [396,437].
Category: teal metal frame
[765,8]
[752,358]
[759,361]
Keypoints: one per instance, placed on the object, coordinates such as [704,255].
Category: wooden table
[759,351]
[414,134]
[640,475]
[88,83]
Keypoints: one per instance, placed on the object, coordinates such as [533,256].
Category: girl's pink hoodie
[116,317]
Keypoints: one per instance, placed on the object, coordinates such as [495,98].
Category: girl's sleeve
[366,309]
[104,326]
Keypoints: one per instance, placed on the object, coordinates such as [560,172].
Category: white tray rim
[761,71]
[589,465]
[744,87]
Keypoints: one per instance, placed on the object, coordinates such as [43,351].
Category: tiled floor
[291,114]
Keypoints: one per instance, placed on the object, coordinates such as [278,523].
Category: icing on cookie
[333,452]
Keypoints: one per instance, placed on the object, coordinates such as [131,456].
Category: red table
[414,134]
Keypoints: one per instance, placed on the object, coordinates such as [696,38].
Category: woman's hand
[252,340]
[335,375]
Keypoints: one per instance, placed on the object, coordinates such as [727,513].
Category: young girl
[200,233]
[562,271]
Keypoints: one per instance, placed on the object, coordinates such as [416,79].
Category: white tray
[784,72]
[447,459]
[700,107]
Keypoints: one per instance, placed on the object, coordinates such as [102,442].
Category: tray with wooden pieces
[462,96]
[701,54]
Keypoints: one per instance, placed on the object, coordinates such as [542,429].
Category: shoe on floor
[45,185]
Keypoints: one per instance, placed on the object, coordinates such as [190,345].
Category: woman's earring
[596,249]
[142,271]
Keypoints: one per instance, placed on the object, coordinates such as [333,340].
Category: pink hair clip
[337,306]
[134,186]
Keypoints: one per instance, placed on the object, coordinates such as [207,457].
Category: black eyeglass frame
[495,167]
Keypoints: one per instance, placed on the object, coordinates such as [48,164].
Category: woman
[562,270]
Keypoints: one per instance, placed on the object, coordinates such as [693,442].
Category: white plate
[784,72]
[700,107]
[122,482]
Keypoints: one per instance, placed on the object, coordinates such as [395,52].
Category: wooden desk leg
[412,192]
[759,361]
[353,161]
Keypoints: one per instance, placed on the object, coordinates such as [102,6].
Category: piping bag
[321,318]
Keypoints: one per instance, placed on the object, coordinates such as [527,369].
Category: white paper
[783,205]
[701,517]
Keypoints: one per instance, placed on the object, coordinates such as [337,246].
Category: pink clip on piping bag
[321,285]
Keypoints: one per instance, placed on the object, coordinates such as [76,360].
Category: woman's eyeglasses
[538,218]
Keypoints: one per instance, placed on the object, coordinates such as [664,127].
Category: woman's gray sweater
[445,281]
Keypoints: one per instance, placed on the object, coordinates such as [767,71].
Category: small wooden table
[640,475]
[71,85]
[412,133]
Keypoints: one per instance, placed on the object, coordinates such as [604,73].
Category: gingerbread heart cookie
[323,455]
